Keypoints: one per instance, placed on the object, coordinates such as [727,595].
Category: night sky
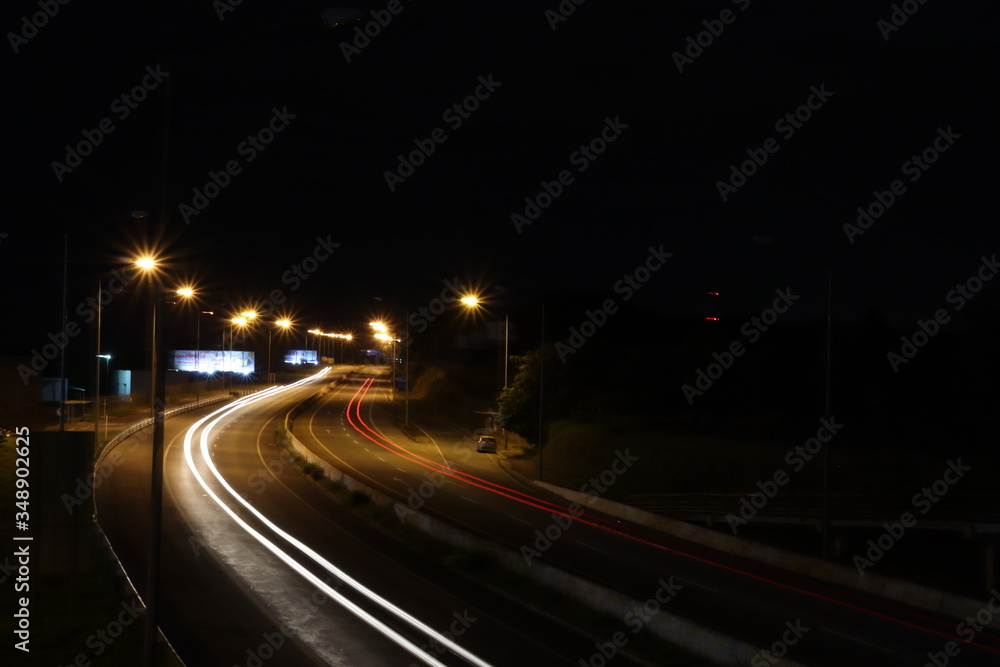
[834,100]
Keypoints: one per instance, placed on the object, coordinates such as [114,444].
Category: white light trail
[322,562]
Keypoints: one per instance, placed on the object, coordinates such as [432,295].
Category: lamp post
[473,302]
[187,293]
[64,315]
[97,371]
[242,321]
[197,351]
[541,389]
[825,521]
[406,373]
[97,383]
[343,338]
[382,333]
[148,265]
[285,325]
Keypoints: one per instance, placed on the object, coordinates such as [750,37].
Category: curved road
[240,587]
[759,604]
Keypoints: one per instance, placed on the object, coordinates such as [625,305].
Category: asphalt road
[228,599]
[746,600]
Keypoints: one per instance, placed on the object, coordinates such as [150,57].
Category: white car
[486,444]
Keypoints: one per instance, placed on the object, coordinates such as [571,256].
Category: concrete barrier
[701,640]
[898,590]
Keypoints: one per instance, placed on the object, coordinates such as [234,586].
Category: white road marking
[859,641]
[364,615]
[584,544]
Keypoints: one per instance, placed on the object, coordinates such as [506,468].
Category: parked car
[486,444]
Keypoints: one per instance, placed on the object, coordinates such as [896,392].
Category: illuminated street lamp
[381,333]
[473,302]
[187,293]
[284,324]
[325,334]
[63,322]
[343,337]
[148,265]
[242,321]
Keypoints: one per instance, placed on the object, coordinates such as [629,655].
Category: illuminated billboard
[302,357]
[212,361]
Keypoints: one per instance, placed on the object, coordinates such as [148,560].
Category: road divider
[699,639]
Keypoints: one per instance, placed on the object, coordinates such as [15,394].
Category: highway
[258,561]
[293,577]
[358,434]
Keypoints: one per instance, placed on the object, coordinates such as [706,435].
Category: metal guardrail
[145,423]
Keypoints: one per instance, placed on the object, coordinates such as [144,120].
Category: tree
[519,399]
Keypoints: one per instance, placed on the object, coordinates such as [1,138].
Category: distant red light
[714,293]
[714,319]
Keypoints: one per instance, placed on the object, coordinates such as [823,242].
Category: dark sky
[679,133]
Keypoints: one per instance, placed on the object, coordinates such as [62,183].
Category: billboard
[302,357]
[212,361]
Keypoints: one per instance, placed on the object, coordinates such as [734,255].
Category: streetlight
[242,321]
[344,337]
[148,265]
[97,383]
[284,324]
[473,302]
[98,355]
[187,293]
[197,351]
[324,334]
[382,334]
[63,389]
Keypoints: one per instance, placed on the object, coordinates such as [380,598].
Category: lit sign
[302,357]
[212,361]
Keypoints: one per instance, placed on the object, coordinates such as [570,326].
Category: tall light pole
[62,329]
[148,265]
[506,339]
[97,371]
[107,369]
[242,321]
[382,333]
[825,521]
[541,389]
[187,293]
[473,302]
[64,315]
[197,351]
[284,324]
